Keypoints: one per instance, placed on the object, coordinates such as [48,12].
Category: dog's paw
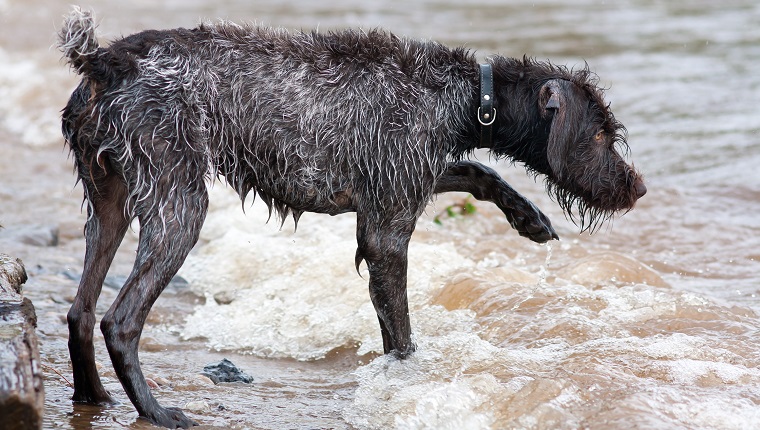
[531,223]
[172,418]
[404,352]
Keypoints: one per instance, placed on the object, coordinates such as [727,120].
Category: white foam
[715,412]
[297,295]
[689,371]
[693,408]
[428,390]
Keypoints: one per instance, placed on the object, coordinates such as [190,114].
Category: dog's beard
[581,211]
[590,196]
[590,210]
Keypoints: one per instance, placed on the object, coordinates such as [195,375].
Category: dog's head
[568,133]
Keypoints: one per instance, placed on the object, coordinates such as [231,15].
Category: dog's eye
[599,137]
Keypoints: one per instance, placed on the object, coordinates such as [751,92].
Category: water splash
[543,272]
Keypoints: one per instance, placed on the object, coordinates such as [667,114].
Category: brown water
[650,323]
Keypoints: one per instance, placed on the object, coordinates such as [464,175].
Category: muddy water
[650,323]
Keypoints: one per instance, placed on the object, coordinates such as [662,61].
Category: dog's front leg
[485,184]
[383,244]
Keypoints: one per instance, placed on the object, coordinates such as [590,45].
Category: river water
[651,322]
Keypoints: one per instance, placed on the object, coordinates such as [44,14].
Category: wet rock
[71,275]
[155,379]
[225,371]
[116,282]
[12,275]
[178,282]
[35,235]
[204,380]
[197,406]
[151,383]
[151,344]
[224,297]
[161,381]
[22,394]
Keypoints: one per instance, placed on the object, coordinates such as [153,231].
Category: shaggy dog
[336,122]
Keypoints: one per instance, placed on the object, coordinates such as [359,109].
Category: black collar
[486,110]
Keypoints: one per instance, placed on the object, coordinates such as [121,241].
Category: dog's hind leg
[104,230]
[383,244]
[485,184]
[169,227]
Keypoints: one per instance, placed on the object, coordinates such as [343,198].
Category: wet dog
[347,121]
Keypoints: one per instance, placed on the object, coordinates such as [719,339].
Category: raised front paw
[531,222]
[172,418]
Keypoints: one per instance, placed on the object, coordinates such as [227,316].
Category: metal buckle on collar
[486,110]
[486,116]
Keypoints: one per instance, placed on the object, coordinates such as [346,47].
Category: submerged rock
[35,235]
[225,371]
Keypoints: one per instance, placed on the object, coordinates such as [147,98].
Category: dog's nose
[641,189]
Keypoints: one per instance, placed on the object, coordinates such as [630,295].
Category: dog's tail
[78,42]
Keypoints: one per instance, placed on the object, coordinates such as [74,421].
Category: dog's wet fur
[345,121]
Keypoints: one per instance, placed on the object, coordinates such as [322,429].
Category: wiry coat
[311,122]
[348,121]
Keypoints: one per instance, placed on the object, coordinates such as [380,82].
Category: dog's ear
[553,100]
[550,97]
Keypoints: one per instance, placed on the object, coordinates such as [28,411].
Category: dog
[345,121]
